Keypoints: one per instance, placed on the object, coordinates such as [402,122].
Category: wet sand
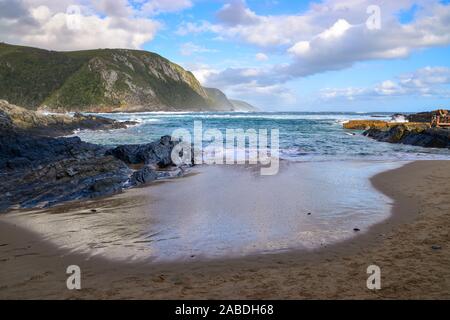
[31,267]
[220,212]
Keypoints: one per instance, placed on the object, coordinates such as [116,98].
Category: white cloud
[261,57]
[332,34]
[99,24]
[161,6]
[190,48]
[429,82]
[236,13]
[251,84]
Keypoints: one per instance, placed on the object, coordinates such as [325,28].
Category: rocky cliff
[106,80]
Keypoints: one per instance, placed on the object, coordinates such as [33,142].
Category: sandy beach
[412,248]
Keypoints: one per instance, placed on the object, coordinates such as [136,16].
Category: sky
[280,55]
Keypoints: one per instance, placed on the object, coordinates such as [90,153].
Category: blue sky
[354,55]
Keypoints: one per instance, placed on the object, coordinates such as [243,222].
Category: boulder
[422,136]
[154,153]
[53,125]
[426,116]
[143,176]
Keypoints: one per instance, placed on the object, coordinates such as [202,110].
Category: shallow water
[222,212]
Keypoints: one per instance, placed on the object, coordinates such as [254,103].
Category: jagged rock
[425,116]
[422,136]
[37,171]
[63,180]
[154,153]
[20,150]
[143,176]
[36,123]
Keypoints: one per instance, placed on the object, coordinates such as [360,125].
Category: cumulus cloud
[428,82]
[255,85]
[352,43]
[236,13]
[333,34]
[80,24]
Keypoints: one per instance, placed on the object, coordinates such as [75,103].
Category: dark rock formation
[422,136]
[155,153]
[53,125]
[40,171]
[425,116]
[143,176]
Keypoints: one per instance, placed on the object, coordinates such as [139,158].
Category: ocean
[304,136]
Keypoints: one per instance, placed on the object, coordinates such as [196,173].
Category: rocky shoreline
[40,169]
[416,136]
[417,132]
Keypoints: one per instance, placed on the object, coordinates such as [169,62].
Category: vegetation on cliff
[106,80]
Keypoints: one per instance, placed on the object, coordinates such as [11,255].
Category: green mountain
[103,80]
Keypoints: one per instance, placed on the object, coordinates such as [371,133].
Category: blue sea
[304,136]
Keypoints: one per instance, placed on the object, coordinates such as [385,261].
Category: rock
[155,153]
[143,176]
[5,121]
[413,134]
[37,123]
[50,184]
[19,150]
[366,124]
[436,247]
[425,116]
[38,170]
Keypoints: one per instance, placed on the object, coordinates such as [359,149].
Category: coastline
[418,221]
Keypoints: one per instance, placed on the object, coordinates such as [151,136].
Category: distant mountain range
[104,80]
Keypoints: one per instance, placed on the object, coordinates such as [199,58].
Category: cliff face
[243,106]
[106,80]
[219,100]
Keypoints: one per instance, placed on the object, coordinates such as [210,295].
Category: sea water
[303,136]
